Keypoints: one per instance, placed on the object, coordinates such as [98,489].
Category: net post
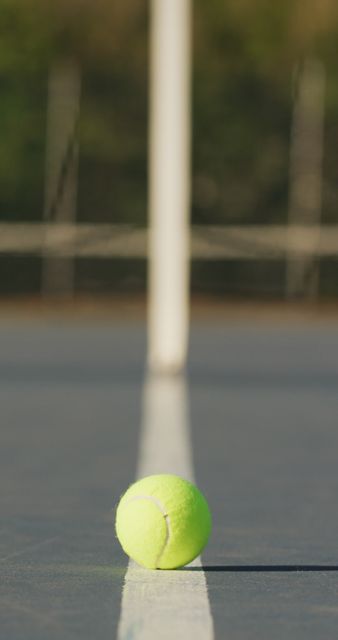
[64,87]
[306,167]
[169,184]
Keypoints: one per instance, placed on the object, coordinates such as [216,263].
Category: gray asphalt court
[263,406]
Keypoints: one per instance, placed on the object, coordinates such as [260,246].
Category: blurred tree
[246,54]
[34,34]
[23,47]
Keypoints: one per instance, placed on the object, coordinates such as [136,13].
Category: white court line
[165,604]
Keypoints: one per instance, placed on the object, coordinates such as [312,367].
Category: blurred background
[74,131]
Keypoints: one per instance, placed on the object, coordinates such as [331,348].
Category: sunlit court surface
[168,305]
[255,423]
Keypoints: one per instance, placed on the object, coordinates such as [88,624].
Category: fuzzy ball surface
[163,522]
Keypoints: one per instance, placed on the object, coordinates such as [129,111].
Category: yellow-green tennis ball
[163,522]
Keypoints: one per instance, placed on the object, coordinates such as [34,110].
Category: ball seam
[166,517]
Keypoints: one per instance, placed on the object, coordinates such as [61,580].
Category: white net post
[61,167]
[169,184]
[306,167]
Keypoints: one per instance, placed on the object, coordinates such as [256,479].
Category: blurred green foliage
[245,56]
[110,43]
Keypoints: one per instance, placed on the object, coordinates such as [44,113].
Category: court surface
[256,424]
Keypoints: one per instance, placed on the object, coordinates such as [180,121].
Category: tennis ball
[163,522]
